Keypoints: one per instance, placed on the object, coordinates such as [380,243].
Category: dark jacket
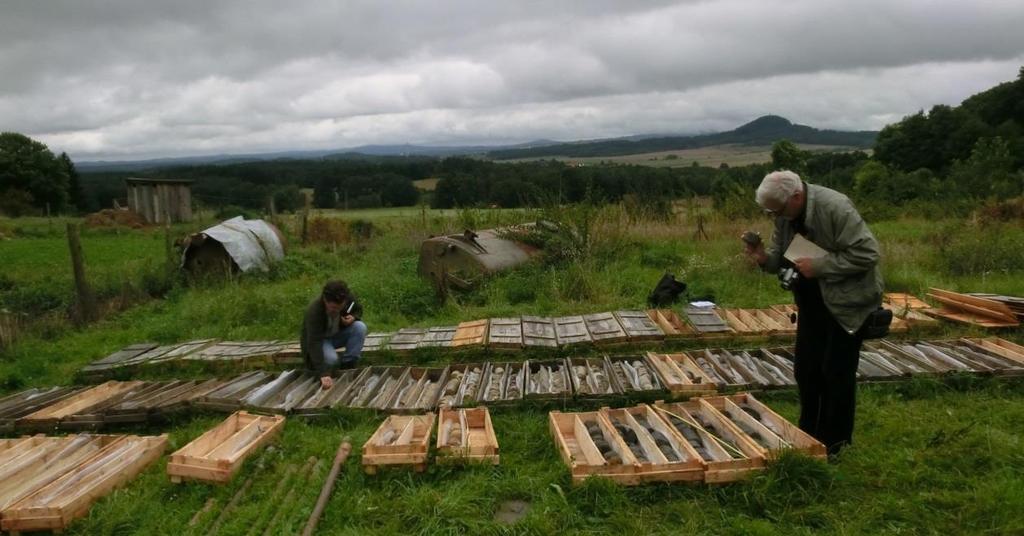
[850,281]
[315,324]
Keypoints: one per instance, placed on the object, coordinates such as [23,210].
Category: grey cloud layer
[115,79]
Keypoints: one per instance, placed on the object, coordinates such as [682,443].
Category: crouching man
[332,321]
[835,291]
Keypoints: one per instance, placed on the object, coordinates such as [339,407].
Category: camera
[787,277]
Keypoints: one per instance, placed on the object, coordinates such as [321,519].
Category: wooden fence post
[86,309]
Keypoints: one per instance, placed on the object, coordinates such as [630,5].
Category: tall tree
[75,197]
[28,166]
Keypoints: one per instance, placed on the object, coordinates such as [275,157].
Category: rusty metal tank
[462,260]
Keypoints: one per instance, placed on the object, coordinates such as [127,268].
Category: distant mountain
[363,151]
[764,130]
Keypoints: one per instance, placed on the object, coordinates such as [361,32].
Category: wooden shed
[160,200]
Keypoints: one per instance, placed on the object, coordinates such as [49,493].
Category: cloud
[134,79]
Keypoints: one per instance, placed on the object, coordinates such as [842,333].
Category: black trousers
[825,370]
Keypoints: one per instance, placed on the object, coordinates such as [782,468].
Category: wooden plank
[539,332]
[794,437]
[638,326]
[505,333]
[438,337]
[604,328]
[706,320]
[376,342]
[904,300]
[571,330]
[406,339]
[470,333]
[992,308]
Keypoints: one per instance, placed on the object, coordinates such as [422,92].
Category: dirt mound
[110,217]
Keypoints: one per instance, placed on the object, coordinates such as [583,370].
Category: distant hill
[764,130]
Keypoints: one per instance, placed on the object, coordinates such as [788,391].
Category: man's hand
[755,253]
[326,382]
[347,320]
[805,268]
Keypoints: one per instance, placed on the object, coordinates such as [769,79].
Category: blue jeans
[351,338]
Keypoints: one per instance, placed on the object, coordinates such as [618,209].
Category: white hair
[778,186]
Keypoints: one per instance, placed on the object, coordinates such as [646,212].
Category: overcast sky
[139,79]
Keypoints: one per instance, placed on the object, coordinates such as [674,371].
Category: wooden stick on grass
[339,459]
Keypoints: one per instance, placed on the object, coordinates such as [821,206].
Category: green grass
[929,457]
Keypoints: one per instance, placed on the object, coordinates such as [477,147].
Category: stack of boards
[46,482]
[974,310]
[463,435]
[714,440]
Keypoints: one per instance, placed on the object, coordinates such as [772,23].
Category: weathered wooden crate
[638,326]
[376,342]
[419,390]
[220,452]
[548,380]
[604,328]
[713,365]
[400,440]
[323,399]
[448,394]
[967,309]
[503,383]
[728,454]
[539,332]
[471,385]
[302,386]
[662,454]
[579,451]
[50,416]
[55,505]
[472,333]
[438,337]
[769,431]
[571,330]
[591,377]
[633,374]
[679,375]
[260,397]
[706,321]
[19,405]
[136,406]
[505,333]
[116,359]
[466,435]
[998,346]
[406,339]
[775,365]
[671,324]
[377,388]
[228,397]
[29,463]
[902,299]
[742,326]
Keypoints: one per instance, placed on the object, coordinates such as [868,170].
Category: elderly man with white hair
[835,293]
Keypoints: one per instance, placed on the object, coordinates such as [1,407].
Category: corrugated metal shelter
[160,200]
[232,245]
[461,260]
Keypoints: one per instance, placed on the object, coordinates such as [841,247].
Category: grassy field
[730,154]
[930,456]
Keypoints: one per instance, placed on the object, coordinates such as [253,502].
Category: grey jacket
[851,283]
[315,325]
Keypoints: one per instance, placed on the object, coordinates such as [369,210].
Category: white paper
[801,248]
[703,304]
